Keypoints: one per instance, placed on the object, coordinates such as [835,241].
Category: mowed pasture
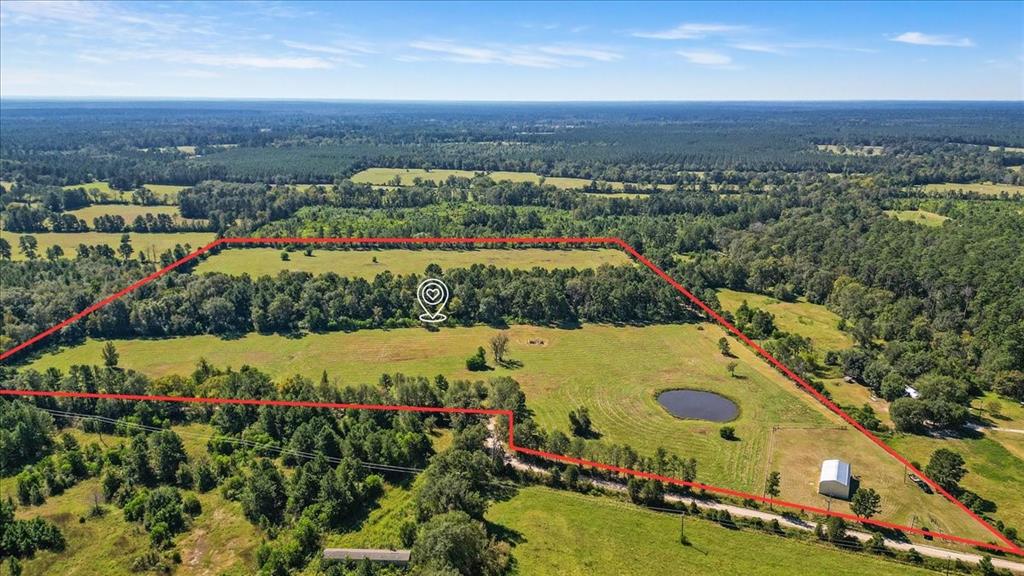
[812,321]
[984,188]
[150,243]
[923,217]
[385,176]
[368,263]
[612,538]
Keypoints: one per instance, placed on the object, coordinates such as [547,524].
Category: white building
[835,479]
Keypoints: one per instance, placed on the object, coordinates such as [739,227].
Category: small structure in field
[835,479]
[398,557]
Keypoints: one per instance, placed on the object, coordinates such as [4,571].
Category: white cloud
[922,39]
[211,59]
[692,31]
[547,56]
[766,48]
[599,54]
[706,58]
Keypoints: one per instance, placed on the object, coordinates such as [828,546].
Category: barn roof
[835,471]
[371,554]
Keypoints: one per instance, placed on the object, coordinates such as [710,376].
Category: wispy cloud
[211,59]
[341,54]
[708,58]
[692,31]
[599,54]
[756,47]
[789,47]
[922,39]
[545,56]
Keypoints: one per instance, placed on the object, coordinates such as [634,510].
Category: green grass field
[126,211]
[812,321]
[153,244]
[613,538]
[613,371]
[922,217]
[986,188]
[166,192]
[383,176]
[360,263]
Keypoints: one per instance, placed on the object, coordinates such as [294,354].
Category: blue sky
[514,51]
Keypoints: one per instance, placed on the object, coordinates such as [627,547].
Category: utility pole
[682,529]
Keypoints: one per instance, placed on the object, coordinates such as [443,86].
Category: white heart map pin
[432,294]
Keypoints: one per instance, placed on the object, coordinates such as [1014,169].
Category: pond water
[698,404]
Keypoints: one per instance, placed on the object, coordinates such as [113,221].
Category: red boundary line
[1009,548]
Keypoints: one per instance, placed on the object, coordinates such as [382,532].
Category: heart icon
[433,295]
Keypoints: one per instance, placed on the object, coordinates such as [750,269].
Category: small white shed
[835,479]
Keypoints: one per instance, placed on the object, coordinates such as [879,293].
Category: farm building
[835,479]
[400,557]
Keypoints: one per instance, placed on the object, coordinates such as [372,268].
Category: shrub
[727,432]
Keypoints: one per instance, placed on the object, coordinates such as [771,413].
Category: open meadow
[168,193]
[984,188]
[809,320]
[384,176]
[153,244]
[542,520]
[923,217]
[369,263]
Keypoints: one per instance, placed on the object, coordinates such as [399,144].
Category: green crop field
[360,263]
[922,217]
[383,176]
[986,188]
[812,321]
[613,538]
[153,244]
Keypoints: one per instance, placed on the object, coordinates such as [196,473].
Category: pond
[698,404]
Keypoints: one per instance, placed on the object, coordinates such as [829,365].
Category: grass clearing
[851,150]
[166,192]
[368,263]
[984,188]
[613,538]
[127,211]
[922,217]
[812,321]
[995,471]
[152,244]
[384,176]
[381,528]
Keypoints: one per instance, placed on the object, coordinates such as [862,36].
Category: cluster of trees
[22,538]
[219,304]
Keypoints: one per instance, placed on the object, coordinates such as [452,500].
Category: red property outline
[1009,547]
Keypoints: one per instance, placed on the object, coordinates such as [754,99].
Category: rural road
[924,550]
[978,428]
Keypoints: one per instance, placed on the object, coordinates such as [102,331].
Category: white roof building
[835,479]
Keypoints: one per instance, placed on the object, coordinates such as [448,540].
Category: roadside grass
[361,263]
[383,176]
[153,244]
[922,217]
[986,188]
[612,538]
[812,321]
